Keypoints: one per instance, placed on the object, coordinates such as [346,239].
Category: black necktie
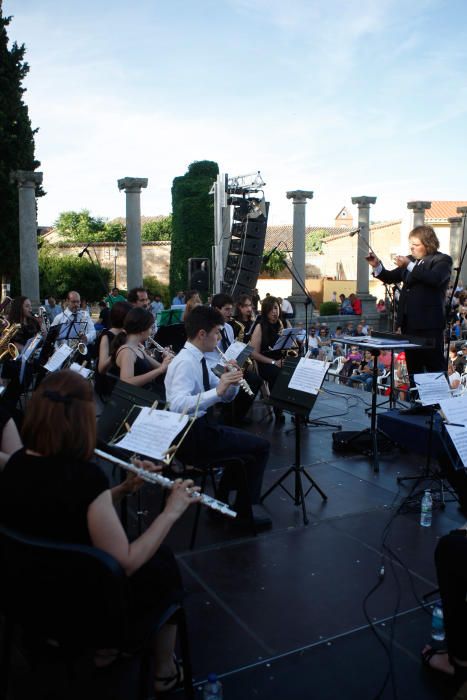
[74,318]
[225,341]
[206,383]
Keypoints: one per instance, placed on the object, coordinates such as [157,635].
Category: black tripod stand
[299,472]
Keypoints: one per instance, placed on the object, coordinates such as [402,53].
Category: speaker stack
[245,252]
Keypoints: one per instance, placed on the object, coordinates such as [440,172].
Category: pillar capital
[455,220]
[462,210]
[299,196]
[26,178]
[418,206]
[363,202]
[132,184]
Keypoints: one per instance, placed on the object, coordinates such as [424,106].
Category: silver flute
[154,478]
[159,348]
[230,368]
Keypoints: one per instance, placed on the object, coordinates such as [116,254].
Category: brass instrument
[7,347]
[4,323]
[241,332]
[44,319]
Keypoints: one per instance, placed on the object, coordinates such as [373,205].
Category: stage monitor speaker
[198,274]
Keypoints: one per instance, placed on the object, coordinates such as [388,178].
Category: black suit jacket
[422,302]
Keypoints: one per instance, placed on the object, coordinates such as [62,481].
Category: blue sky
[342,97]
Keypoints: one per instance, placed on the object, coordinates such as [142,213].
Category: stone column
[455,234]
[363,270]
[462,243]
[29,262]
[299,198]
[418,209]
[134,257]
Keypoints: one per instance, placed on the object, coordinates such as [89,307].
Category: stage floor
[288,613]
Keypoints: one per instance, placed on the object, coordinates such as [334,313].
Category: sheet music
[308,375]
[287,338]
[58,358]
[459,439]
[432,387]
[153,432]
[454,410]
[79,369]
[234,350]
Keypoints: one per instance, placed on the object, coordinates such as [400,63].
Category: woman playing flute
[68,498]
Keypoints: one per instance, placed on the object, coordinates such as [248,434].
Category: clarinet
[230,368]
[153,478]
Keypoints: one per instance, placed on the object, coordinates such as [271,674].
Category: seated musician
[192,299]
[129,358]
[244,318]
[117,313]
[21,312]
[74,323]
[235,413]
[68,499]
[263,339]
[188,380]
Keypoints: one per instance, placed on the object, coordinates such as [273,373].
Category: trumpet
[230,368]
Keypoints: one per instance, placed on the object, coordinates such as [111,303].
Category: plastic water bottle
[437,624]
[212,689]
[427,507]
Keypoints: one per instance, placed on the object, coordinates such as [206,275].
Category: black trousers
[432,360]
[209,442]
[451,568]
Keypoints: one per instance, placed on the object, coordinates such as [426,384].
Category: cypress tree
[16,148]
[193,220]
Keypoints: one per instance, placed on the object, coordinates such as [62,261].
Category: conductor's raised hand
[372,260]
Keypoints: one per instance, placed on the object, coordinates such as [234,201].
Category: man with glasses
[74,323]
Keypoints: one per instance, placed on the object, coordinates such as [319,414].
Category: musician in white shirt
[75,323]
[190,383]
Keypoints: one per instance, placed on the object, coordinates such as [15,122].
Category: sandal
[169,683]
[428,654]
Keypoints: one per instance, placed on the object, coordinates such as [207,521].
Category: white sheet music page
[153,432]
[79,369]
[58,358]
[308,375]
[234,350]
[432,387]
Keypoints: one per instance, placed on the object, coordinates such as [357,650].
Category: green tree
[157,230]
[16,145]
[314,241]
[276,262]
[79,226]
[193,219]
[59,275]
[153,286]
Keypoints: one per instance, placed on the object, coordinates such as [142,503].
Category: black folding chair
[72,599]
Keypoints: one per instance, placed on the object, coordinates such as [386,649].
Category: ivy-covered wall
[193,220]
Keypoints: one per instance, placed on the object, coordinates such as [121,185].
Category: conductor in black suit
[425,275]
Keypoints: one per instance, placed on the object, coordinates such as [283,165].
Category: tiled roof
[284,233]
[443,210]
[339,233]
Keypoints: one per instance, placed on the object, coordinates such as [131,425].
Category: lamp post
[115,265]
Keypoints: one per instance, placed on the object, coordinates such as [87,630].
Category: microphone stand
[96,267]
[454,285]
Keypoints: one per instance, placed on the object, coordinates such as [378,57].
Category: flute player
[68,499]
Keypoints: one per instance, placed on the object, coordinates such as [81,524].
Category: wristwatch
[273,362]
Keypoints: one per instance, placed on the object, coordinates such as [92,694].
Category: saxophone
[241,332]
[7,347]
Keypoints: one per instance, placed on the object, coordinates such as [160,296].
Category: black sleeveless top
[269,335]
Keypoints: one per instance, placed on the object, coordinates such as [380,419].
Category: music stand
[300,404]
[373,432]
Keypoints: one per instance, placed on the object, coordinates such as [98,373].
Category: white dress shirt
[83,323]
[184,383]
[213,358]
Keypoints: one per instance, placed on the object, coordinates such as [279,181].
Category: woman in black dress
[68,499]
[118,313]
[132,363]
[21,312]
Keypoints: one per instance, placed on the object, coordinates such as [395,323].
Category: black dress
[50,496]
[269,334]
[102,382]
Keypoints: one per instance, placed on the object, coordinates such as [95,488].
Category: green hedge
[193,220]
[153,286]
[328,308]
[59,275]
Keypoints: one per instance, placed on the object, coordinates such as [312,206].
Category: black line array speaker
[245,255]
[198,274]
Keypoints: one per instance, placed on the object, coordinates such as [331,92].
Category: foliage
[329,308]
[16,145]
[59,275]
[113,231]
[157,230]
[193,220]
[314,241]
[81,227]
[276,262]
[153,286]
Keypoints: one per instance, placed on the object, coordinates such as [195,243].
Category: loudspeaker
[247,262]
[256,229]
[198,274]
[245,253]
[250,246]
